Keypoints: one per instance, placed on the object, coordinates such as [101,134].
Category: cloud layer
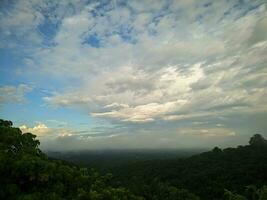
[12,94]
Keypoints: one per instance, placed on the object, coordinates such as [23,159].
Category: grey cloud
[201,84]
[221,131]
[259,32]
[146,138]
[12,94]
[164,64]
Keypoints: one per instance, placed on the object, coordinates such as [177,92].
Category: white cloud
[12,94]
[20,21]
[134,95]
[41,130]
[142,113]
[45,133]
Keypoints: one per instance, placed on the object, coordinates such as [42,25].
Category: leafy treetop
[257,140]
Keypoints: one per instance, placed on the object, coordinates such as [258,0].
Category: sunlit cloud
[40,130]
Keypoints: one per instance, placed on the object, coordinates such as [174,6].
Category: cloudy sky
[134,74]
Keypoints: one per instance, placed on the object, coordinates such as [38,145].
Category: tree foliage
[207,174]
[26,173]
[257,140]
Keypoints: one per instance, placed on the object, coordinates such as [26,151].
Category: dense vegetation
[209,175]
[26,173]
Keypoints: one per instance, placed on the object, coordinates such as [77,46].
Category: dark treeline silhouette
[26,173]
[105,159]
[210,175]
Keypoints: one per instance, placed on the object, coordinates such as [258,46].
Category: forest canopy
[27,173]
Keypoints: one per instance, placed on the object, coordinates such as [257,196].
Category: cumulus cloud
[40,130]
[46,133]
[13,94]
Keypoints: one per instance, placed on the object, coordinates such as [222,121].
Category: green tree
[257,140]
[263,193]
[228,195]
[252,192]
[28,174]
[5,123]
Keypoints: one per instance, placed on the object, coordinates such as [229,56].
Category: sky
[134,74]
